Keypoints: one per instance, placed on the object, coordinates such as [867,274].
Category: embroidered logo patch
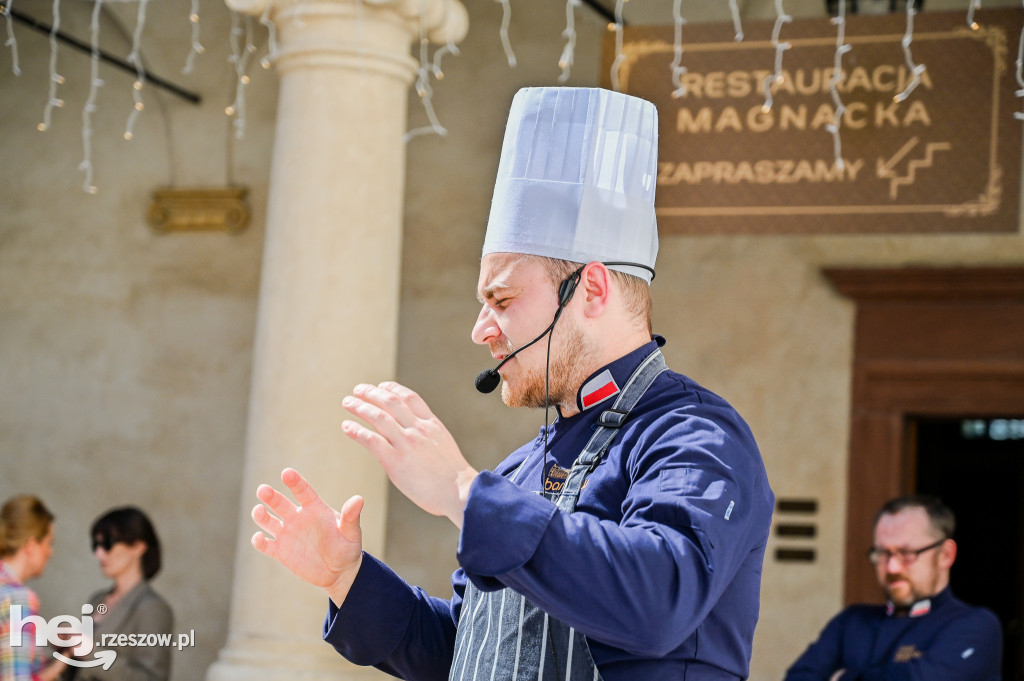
[555,479]
[907,653]
[598,389]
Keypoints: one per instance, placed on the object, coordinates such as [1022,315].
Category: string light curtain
[243,47]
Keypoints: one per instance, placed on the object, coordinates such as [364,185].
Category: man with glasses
[922,632]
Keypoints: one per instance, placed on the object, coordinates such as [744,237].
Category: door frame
[929,341]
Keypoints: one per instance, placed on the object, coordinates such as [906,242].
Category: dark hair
[129,525]
[940,515]
[22,518]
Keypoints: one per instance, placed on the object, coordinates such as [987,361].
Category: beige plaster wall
[125,356]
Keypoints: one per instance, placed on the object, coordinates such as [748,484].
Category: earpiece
[568,287]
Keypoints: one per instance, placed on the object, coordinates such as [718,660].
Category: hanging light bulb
[568,57]
[780,47]
[915,69]
[678,70]
[55,78]
[90,103]
[837,71]
[619,56]
[506,18]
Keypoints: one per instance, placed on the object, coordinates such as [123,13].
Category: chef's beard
[572,361]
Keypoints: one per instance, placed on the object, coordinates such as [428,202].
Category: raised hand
[322,546]
[417,452]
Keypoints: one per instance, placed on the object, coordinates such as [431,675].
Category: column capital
[356,35]
[445,20]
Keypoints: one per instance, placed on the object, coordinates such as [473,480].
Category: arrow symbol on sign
[884,169]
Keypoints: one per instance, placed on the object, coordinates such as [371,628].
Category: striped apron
[502,636]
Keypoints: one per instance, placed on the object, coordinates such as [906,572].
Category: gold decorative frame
[978,195]
[987,203]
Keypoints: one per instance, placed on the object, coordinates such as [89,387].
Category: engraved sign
[748,147]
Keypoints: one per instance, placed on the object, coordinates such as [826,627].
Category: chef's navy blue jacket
[659,566]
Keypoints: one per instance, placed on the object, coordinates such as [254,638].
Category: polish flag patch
[921,608]
[598,389]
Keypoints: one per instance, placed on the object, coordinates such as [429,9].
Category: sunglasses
[106,542]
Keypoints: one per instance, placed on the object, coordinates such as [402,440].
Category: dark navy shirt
[951,641]
[660,565]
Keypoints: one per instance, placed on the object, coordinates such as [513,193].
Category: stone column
[328,307]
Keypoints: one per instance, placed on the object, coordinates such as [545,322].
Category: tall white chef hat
[576,179]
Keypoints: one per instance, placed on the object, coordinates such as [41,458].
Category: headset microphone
[488,379]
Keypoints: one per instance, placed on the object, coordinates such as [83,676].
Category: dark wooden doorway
[976,465]
[931,344]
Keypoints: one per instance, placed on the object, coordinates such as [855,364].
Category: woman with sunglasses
[126,546]
[26,543]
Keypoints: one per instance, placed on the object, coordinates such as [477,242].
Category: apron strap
[609,423]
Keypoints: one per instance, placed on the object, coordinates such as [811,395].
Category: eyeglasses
[905,556]
[106,542]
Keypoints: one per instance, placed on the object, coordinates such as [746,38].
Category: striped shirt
[17,663]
